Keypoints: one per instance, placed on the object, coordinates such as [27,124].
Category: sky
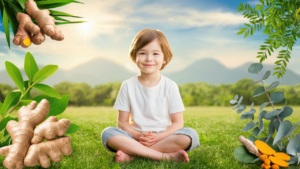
[195,29]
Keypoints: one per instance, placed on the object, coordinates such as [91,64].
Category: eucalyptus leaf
[236,97]
[287,111]
[293,129]
[240,100]
[236,106]
[273,85]
[283,129]
[271,129]
[256,131]
[255,67]
[248,116]
[294,145]
[72,129]
[44,73]
[259,91]
[263,106]
[252,111]
[47,90]
[277,97]
[255,82]
[272,113]
[15,74]
[232,101]
[261,123]
[293,160]
[249,126]
[252,105]
[252,138]
[242,154]
[267,74]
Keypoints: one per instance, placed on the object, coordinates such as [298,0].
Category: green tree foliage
[280,19]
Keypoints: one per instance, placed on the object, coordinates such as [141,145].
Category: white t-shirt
[149,107]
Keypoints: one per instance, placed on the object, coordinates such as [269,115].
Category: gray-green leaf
[263,106]
[14,72]
[256,131]
[255,82]
[273,85]
[287,111]
[240,100]
[294,145]
[252,138]
[249,126]
[277,97]
[30,66]
[44,73]
[252,111]
[259,91]
[272,113]
[293,160]
[267,74]
[242,154]
[283,129]
[232,101]
[236,97]
[10,101]
[47,90]
[255,67]
[252,105]
[271,129]
[247,116]
[72,129]
[292,129]
[236,106]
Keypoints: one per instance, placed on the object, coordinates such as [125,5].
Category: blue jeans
[113,131]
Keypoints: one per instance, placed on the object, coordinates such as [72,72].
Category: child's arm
[123,123]
[177,123]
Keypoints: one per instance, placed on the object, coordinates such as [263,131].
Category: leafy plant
[284,128]
[21,97]
[10,8]
[280,19]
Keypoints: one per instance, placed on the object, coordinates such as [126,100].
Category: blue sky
[195,29]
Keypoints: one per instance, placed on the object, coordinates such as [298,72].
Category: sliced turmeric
[282,156]
[264,148]
[278,161]
[275,166]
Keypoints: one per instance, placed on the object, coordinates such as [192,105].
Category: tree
[280,19]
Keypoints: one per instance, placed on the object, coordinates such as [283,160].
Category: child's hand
[147,138]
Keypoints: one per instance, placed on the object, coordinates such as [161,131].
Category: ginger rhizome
[249,145]
[41,152]
[50,128]
[44,20]
[21,133]
[270,156]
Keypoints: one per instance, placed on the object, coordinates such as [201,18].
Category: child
[150,120]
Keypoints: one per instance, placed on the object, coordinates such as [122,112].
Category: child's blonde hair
[146,36]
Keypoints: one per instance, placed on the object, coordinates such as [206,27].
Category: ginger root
[41,152]
[50,128]
[44,20]
[21,133]
[249,145]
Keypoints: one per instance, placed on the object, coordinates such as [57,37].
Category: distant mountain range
[101,71]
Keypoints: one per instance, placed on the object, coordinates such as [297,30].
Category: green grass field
[218,129]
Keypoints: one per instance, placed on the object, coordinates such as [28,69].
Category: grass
[218,129]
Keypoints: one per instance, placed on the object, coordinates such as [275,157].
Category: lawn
[218,129]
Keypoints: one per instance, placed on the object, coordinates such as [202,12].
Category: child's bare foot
[180,156]
[123,157]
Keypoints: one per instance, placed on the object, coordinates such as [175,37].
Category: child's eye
[156,53]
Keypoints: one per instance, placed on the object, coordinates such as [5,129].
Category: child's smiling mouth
[148,65]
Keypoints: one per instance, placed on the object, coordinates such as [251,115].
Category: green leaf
[259,91]
[47,90]
[249,126]
[242,154]
[240,32]
[236,106]
[241,109]
[247,116]
[267,74]
[293,160]
[22,3]
[271,129]
[30,66]
[240,100]
[232,101]
[23,103]
[261,123]
[277,97]
[58,13]
[287,111]
[6,27]
[57,106]
[263,106]
[252,138]
[272,113]
[44,73]
[256,131]
[273,85]
[252,111]
[72,129]
[284,128]
[255,67]
[255,82]
[10,101]
[236,97]
[292,129]
[6,142]
[252,106]
[294,145]
[27,95]
[15,74]
[63,23]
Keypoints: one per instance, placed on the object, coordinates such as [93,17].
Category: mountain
[211,71]
[101,71]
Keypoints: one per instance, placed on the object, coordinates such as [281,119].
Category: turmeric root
[50,128]
[26,27]
[282,156]
[249,145]
[264,148]
[21,132]
[278,161]
[44,20]
[41,152]
[275,166]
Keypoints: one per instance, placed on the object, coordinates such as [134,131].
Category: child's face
[150,54]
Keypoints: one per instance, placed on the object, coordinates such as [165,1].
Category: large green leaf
[284,128]
[22,3]
[10,101]
[30,66]
[273,85]
[44,73]
[293,160]
[249,126]
[259,91]
[242,154]
[47,90]
[58,13]
[6,142]
[42,5]
[277,97]
[6,27]
[23,103]
[0,107]
[255,67]
[72,129]
[267,74]
[294,145]
[12,18]
[57,106]
[15,74]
